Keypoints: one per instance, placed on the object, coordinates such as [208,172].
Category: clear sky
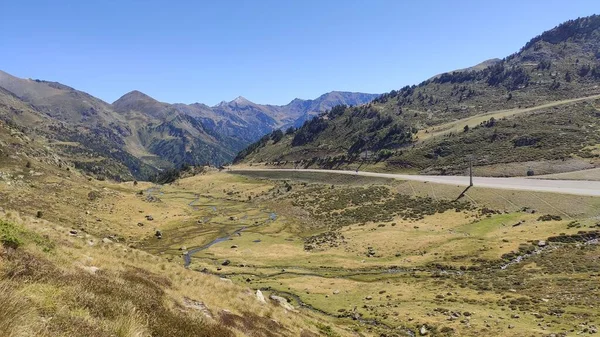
[267,51]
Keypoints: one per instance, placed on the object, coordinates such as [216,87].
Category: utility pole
[470,171]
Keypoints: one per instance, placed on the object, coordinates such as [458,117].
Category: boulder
[260,297]
[282,302]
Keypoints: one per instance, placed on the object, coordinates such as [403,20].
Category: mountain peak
[133,95]
[240,100]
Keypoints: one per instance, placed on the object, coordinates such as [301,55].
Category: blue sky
[267,51]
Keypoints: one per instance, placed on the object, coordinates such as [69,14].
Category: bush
[9,235]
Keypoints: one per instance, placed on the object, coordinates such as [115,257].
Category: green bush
[9,235]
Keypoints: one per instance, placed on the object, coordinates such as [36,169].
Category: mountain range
[532,111]
[136,136]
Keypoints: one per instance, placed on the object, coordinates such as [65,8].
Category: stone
[282,302]
[106,240]
[140,224]
[226,263]
[72,232]
[423,331]
[542,243]
[158,234]
[368,298]
[260,297]
[335,292]
[234,246]
[149,217]
[90,269]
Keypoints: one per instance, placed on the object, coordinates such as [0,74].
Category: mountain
[517,112]
[137,136]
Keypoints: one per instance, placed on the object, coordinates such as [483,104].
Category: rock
[542,243]
[90,269]
[423,331]
[260,297]
[149,217]
[515,316]
[197,305]
[140,224]
[158,234]
[234,246]
[368,298]
[282,302]
[226,263]
[225,280]
[106,240]
[335,292]
[183,248]
[72,232]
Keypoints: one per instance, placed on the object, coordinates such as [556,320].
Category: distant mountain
[412,128]
[137,136]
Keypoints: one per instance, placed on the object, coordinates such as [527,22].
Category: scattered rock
[197,305]
[260,297]
[282,302]
[90,269]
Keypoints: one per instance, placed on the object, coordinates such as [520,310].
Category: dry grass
[77,289]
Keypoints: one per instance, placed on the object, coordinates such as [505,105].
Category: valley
[350,214]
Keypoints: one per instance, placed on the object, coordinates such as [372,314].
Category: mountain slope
[557,65]
[136,136]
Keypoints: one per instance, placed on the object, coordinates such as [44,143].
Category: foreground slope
[408,128]
[67,270]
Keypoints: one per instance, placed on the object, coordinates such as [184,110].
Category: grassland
[353,255]
[342,249]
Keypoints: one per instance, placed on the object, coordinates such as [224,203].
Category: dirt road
[578,187]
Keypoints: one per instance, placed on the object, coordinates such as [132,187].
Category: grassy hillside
[415,127]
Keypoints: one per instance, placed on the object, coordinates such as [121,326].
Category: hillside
[405,129]
[137,136]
